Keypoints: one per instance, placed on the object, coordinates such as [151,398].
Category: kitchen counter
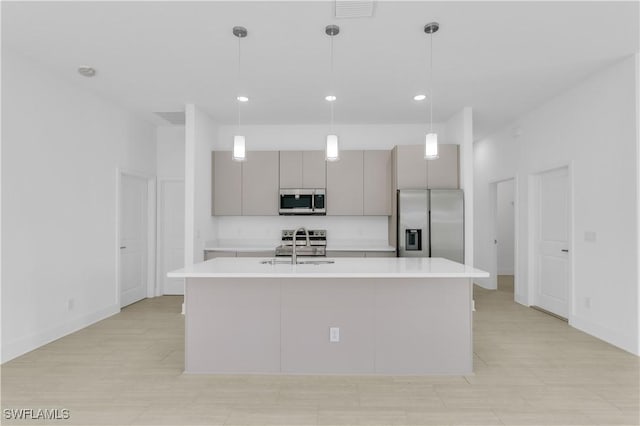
[356,316]
[392,267]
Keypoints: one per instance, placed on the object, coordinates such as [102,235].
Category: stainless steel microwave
[302,201]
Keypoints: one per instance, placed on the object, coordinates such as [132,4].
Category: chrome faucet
[294,255]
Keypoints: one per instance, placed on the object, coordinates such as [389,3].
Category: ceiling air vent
[174,117]
[354,9]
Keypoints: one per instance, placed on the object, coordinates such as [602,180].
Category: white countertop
[262,245]
[355,267]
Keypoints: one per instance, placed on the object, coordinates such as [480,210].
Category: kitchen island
[388,315]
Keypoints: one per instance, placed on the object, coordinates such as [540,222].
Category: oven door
[295,202]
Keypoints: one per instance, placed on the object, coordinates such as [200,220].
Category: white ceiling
[501,58]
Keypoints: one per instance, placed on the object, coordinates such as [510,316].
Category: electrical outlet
[334,334]
[70,304]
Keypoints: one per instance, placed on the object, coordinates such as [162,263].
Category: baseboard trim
[21,346]
[544,311]
[624,342]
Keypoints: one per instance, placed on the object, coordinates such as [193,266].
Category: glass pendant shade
[239,153]
[431,146]
[332,148]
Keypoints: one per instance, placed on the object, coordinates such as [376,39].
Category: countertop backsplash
[268,228]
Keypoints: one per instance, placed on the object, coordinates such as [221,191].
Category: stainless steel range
[317,243]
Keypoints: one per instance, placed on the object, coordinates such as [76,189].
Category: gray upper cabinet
[345,184]
[290,169]
[314,169]
[302,169]
[411,167]
[414,172]
[377,183]
[227,185]
[260,176]
[443,172]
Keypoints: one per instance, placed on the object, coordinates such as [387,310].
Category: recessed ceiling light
[86,71]
[242,99]
[330,98]
[419,97]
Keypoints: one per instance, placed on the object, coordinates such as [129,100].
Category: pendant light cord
[239,81]
[431,82]
[331,81]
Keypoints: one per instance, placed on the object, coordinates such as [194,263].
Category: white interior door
[552,278]
[171,234]
[133,239]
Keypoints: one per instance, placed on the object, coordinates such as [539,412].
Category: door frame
[159,287]
[151,228]
[533,227]
[493,205]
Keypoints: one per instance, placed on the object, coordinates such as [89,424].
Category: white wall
[459,131]
[201,134]
[505,227]
[170,158]
[61,148]
[308,137]
[592,128]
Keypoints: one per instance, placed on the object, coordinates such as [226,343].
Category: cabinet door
[443,172]
[227,185]
[343,253]
[377,183]
[380,254]
[261,253]
[212,254]
[260,177]
[411,167]
[345,184]
[291,169]
[314,169]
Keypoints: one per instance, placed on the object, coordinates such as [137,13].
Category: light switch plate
[334,334]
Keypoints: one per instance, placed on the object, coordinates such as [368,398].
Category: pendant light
[332,151]
[431,139]
[239,151]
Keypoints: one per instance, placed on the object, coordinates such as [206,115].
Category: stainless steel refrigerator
[431,223]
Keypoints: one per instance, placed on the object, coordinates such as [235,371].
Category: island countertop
[393,267]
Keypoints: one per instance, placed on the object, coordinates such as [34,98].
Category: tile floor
[530,369]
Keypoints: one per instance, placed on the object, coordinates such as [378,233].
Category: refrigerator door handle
[428,242]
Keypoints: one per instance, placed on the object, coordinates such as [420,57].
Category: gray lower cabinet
[355,253]
[377,183]
[261,253]
[212,254]
[227,185]
[260,181]
[345,184]
[380,254]
[344,253]
[302,169]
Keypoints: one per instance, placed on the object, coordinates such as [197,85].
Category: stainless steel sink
[300,262]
